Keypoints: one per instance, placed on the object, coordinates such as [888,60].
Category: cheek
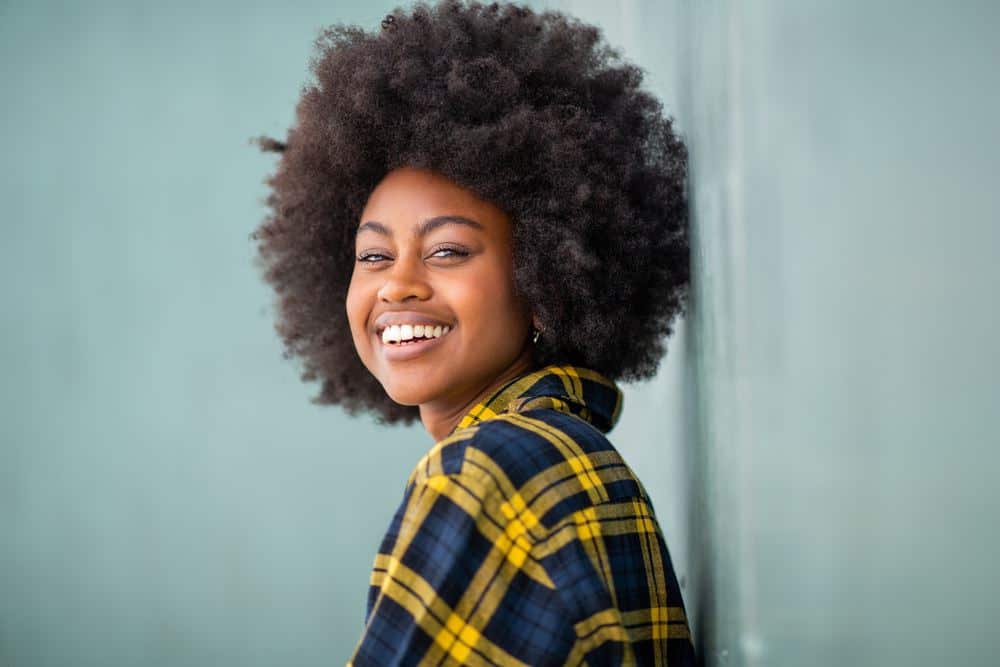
[500,314]
[351,304]
[357,306]
[507,298]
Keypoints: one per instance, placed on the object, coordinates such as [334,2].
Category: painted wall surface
[841,353]
[168,495]
[823,466]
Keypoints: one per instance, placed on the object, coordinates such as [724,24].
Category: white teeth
[397,333]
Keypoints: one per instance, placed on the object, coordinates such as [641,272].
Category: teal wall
[824,459]
[168,495]
[840,370]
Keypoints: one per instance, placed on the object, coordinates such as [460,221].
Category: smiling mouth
[403,343]
[402,335]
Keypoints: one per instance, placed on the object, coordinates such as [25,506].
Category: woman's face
[431,303]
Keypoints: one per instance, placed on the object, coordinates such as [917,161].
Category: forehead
[407,197]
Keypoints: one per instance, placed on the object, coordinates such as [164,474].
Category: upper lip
[389,318]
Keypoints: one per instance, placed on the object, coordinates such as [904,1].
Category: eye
[372,257]
[449,252]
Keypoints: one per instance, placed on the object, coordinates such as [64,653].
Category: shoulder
[547,461]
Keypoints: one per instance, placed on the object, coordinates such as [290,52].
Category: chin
[405,392]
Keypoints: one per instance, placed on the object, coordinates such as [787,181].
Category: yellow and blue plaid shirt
[523,538]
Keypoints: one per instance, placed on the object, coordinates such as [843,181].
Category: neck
[440,420]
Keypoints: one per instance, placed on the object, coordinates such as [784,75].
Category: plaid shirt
[523,538]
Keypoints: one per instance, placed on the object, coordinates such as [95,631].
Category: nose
[404,281]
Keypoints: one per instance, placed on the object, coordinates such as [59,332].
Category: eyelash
[367,258]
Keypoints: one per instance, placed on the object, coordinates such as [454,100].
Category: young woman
[487,202]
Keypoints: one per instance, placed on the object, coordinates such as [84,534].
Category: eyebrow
[424,228]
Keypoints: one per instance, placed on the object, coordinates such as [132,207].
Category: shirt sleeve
[455,583]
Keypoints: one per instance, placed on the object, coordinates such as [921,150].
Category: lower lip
[405,351]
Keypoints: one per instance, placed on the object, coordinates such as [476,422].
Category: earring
[536,336]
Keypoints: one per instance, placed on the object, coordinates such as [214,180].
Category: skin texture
[461,275]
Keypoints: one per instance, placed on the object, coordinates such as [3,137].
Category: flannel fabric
[523,538]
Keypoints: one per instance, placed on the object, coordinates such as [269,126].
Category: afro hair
[529,110]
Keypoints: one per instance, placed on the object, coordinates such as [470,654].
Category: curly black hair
[529,110]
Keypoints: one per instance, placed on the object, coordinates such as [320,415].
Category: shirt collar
[572,389]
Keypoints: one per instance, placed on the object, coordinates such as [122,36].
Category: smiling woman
[490,202]
[431,254]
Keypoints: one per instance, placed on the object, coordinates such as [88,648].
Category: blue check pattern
[523,538]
